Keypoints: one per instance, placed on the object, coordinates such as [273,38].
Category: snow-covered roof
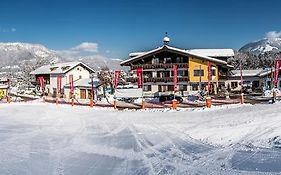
[247,73]
[4,80]
[4,86]
[133,54]
[59,68]
[267,71]
[85,82]
[186,52]
[213,52]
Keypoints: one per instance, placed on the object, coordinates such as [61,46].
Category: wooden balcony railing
[159,66]
[157,79]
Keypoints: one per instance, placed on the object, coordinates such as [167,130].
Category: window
[65,67]
[163,74]
[213,72]
[167,60]
[195,86]
[170,87]
[165,88]
[53,68]
[155,61]
[147,88]
[147,74]
[162,88]
[198,73]
[234,85]
[182,87]
[182,73]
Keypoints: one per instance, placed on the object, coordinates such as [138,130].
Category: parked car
[170,97]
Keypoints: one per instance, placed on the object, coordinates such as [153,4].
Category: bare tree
[106,77]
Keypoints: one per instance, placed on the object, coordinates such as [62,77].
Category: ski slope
[37,138]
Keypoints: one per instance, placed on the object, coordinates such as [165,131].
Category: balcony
[157,79]
[160,66]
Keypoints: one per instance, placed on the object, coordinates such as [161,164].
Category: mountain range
[262,46]
[15,55]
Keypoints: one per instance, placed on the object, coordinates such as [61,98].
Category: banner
[41,82]
[92,90]
[71,84]
[58,84]
[139,77]
[116,78]
[276,71]
[175,69]
[209,76]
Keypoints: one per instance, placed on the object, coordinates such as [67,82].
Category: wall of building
[247,81]
[3,92]
[194,64]
[78,72]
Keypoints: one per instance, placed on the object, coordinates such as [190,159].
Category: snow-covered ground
[43,139]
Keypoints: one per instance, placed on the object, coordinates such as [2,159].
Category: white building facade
[50,73]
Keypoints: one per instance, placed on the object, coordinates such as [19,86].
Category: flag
[71,84]
[41,82]
[175,69]
[209,75]
[139,77]
[276,72]
[92,82]
[116,78]
[58,84]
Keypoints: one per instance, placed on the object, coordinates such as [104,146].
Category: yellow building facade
[196,64]
[3,92]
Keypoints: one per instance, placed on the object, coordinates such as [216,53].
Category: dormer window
[53,68]
[65,67]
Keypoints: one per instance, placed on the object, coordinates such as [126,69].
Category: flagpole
[174,101]
[241,83]
[208,98]
[142,82]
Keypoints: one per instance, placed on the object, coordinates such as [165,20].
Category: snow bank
[41,138]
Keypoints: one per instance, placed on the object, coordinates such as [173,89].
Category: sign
[139,77]
[276,71]
[58,84]
[209,76]
[71,84]
[175,69]
[116,78]
[41,82]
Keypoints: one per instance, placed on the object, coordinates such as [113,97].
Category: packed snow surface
[45,139]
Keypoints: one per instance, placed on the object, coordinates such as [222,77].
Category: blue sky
[115,28]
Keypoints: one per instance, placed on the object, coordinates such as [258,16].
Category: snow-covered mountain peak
[262,46]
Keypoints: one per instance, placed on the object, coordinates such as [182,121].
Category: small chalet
[50,72]
[256,80]
[251,80]
[192,65]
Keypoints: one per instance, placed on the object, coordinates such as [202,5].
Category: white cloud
[87,47]
[7,30]
[273,35]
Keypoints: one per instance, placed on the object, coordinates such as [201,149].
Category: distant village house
[81,77]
